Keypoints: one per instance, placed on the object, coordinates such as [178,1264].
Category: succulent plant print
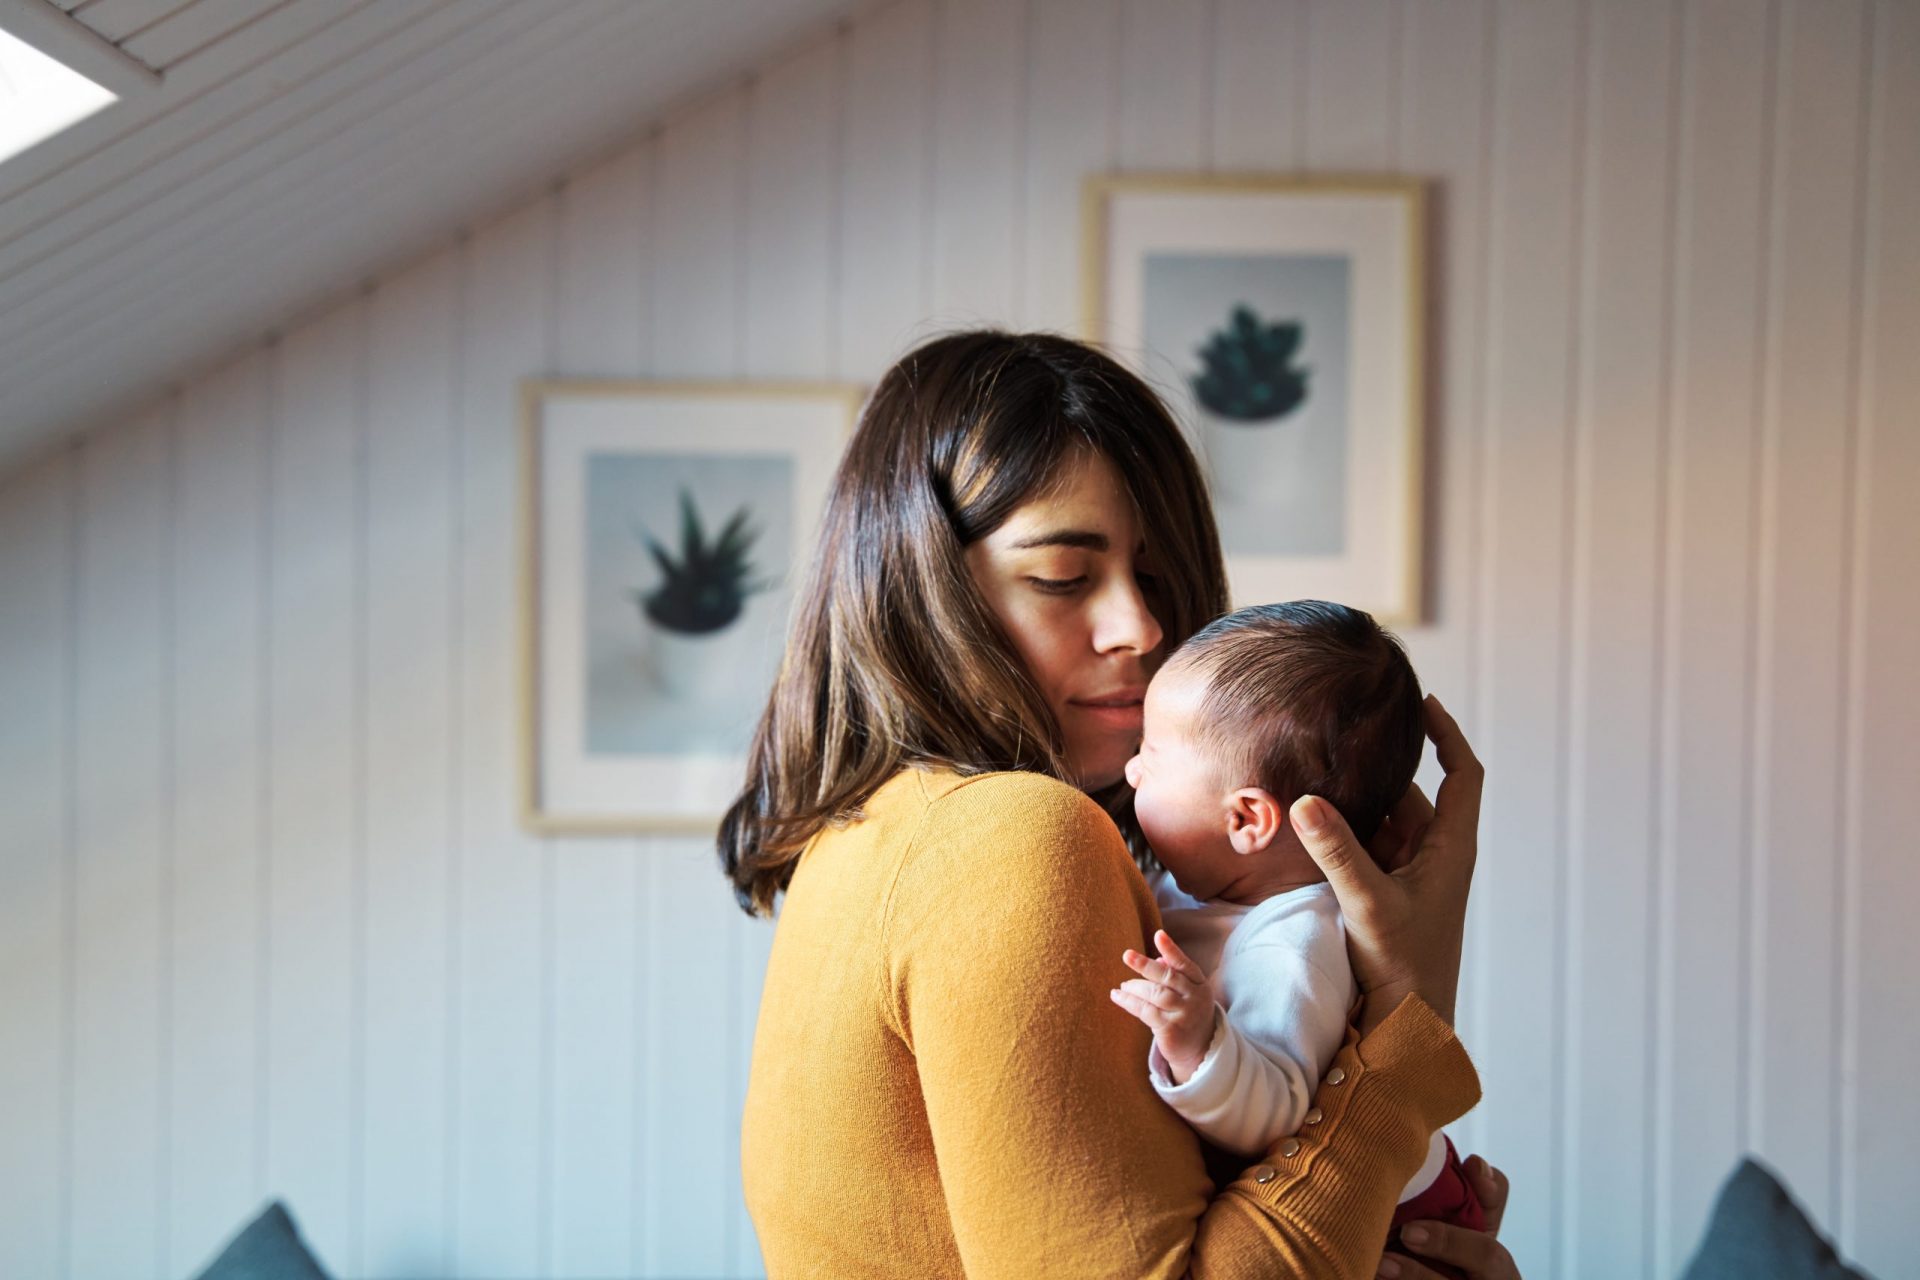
[708,585]
[1249,375]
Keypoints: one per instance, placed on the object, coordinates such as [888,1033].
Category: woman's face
[1065,575]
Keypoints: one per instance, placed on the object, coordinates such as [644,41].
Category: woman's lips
[1112,714]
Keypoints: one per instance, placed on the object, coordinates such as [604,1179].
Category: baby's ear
[1254,818]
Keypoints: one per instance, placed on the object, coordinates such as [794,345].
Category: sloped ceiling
[291,149]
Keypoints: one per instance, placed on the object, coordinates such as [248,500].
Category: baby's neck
[1258,883]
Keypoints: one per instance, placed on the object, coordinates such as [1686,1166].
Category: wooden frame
[580,438]
[1366,233]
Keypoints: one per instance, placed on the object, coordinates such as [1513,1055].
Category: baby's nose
[1132,773]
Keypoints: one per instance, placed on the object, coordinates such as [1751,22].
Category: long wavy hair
[892,657]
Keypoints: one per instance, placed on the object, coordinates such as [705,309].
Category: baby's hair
[1309,698]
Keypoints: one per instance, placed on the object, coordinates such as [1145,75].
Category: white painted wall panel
[213,957]
[121,855]
[1879,1109]
[38,534]
[1618,429]
[272,926]
[1707,713]
[886,188]
[503,878]
[979,111]
[1519,719]
[1070,132]
[312,743]
[407,641]
[591,1090]
[1808,432]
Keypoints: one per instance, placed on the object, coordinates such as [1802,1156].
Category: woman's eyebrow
[1084,539]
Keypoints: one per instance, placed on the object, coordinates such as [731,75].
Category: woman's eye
[1058,586]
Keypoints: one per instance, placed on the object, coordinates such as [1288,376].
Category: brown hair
[1310,698]
[892,657]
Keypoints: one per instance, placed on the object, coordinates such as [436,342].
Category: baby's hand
[1172,997]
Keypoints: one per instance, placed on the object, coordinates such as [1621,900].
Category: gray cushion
[268,1248]
[1757,1232]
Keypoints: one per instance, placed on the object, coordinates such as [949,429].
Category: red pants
[1451,1199]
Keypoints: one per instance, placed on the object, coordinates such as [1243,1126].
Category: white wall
[267,925]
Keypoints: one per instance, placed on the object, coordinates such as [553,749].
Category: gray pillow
[1757,1232]
[268,1248]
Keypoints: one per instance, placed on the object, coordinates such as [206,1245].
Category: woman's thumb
[1328,839]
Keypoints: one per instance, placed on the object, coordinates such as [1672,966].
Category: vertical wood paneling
[119,887]
[589,1137]
[691,1223]
[407,750]
[1672,270]
[37,580]
[598,318]
[1519,723]
[698,222]
[1353,84]
[218,652]
[1445,138]
[1166,55]
[313,805]
[791,320]
[1258,95]
[1618,441]
[1707,718]
[1070,96]
[1880,1180]
[793,119]
[501,879]
[885,187]
[979,111]
[1808,424]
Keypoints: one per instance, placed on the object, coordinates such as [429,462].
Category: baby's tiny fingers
[1177,959]
[1150,969]
[1156,994]
[1138,1008]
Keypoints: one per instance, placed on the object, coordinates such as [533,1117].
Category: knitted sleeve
[1003,932]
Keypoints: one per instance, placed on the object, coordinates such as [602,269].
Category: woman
[940,1087]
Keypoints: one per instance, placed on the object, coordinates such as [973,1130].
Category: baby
[1261,707]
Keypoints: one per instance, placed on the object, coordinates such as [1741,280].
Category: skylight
[40,96]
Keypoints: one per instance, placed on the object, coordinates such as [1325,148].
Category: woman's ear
[1254,818]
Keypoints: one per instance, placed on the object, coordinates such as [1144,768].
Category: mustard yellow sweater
[941,1087]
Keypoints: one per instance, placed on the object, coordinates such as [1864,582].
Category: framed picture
[1280,319]
[664,526]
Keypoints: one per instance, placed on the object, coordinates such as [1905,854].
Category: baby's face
[1178,795]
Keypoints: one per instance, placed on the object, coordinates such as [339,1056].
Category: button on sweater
[940,1086]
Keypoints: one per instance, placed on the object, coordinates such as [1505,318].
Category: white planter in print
[699,667]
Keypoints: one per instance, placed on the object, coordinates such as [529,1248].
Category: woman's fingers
[1457,804]
[1490,1185]
[1475,1252]
[1356,881]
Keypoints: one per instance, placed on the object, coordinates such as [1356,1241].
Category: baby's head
[1256,710]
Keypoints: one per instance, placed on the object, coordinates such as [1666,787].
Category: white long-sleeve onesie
[1282,987]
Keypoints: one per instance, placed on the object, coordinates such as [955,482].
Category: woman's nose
[1125,622]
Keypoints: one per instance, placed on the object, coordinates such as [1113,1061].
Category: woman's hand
[1172,997]
[1476,1253]
[1404,927]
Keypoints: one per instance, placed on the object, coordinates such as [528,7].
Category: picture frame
[1281,320]
[664,531]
